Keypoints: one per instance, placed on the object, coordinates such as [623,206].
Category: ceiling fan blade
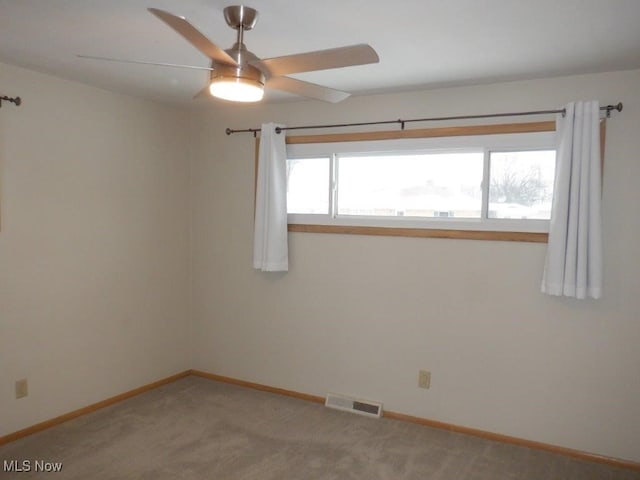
[194,37]
[306,89]
[118,60]
[361,54]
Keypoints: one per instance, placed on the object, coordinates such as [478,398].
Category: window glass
[411,185]
[308,185]
[521,184]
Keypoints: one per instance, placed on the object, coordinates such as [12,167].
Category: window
[489,183]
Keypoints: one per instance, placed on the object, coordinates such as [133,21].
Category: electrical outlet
[22,388]
[424,379]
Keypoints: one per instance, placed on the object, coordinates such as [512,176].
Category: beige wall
[94,245]
[95,283]
[361,315]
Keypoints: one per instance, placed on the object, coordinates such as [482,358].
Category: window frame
[459,229]
[472,144]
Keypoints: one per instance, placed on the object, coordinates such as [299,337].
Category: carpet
[197,428]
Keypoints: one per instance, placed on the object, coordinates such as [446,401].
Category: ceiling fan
[238,75]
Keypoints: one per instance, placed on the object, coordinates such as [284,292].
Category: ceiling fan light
[237,89]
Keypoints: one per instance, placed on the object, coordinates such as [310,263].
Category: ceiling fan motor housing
[230,72]
[245,71]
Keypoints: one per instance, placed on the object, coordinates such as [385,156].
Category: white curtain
[573,266]
[270,249]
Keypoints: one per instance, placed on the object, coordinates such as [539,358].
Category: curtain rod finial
[15,100]
[617,107]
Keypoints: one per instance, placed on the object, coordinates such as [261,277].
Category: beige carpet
[200,429]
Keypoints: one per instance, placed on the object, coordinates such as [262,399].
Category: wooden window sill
[424,233]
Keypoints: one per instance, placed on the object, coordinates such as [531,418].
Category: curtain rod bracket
[229,131]
[16,100]
[401,124]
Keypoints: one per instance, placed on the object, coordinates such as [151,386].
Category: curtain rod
[607,108]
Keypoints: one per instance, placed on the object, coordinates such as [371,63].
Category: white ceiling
[421,43]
